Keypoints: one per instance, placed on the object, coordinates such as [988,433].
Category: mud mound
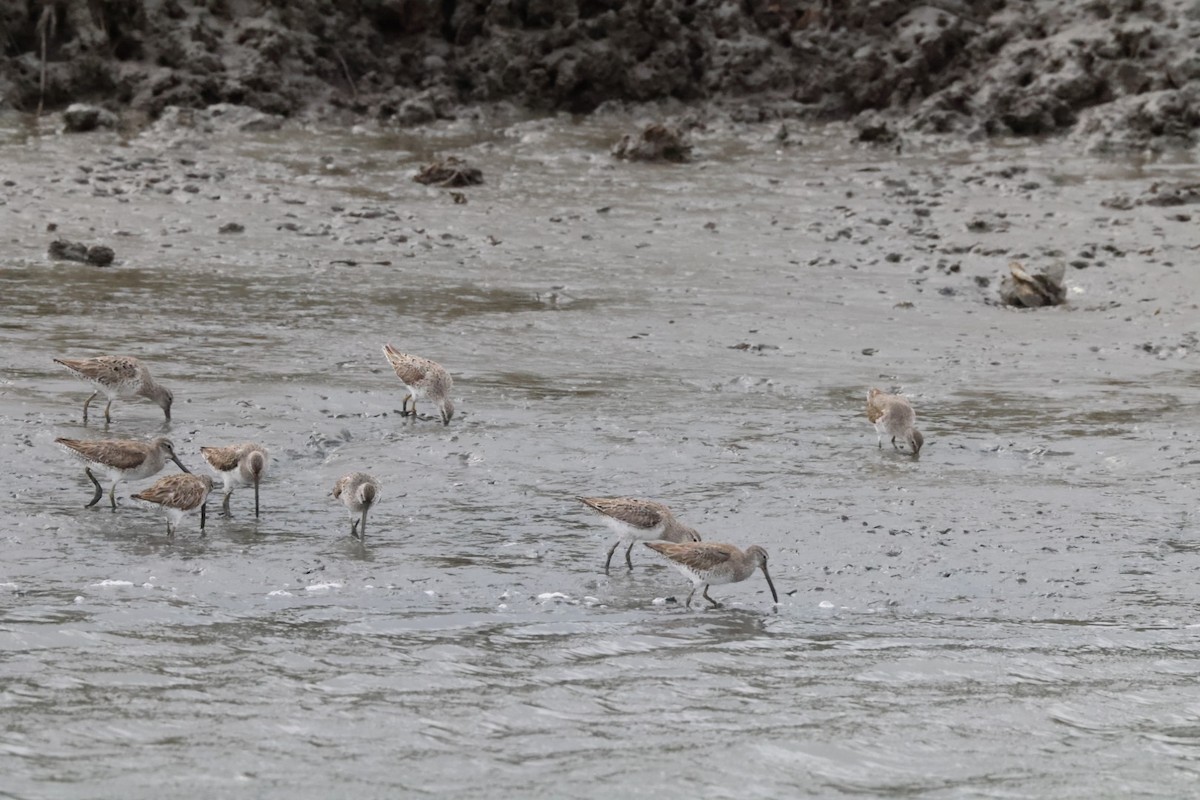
[1121,73]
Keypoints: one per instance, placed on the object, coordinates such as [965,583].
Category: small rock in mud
[656,142]
[1171,194]
[451,171]
[1033,291]
[216,118]
[1120,202]
[97,254]
[1160,193]
[232,227]
[876,133]
[81,118]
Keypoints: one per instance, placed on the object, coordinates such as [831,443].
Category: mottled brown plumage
[893,416]
[120,460]
[238,465]
[714,563]
[118,376]
[635,520]
[358,491]
[178,495]
[423,379]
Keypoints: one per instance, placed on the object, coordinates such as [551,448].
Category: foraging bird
[239,465]
[178,495]
[423,379]
[893,416]
[118,376]
[358,491]
[637,520]
[120,460]
[711,564]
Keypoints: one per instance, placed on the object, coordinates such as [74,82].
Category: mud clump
[82,118]
[1160,193]
[656,142]
[97,254]
[1025,290]
[449,172]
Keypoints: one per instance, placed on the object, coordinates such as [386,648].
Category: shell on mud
[451,171]
[1045,288]
[656,142]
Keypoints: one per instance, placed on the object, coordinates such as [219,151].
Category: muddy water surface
[1013,615]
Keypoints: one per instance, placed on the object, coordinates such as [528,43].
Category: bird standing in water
[358,491]
[636,520]
[423,379]
[893,416]
[118,376]
[712,563]
[238,465]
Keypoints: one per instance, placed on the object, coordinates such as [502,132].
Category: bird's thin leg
[112,494]
[611,550]
[99,488]
[709,599]
[688,604]
[225,512]
[170,530]
[107,406]
[628,550]
[354,527]
[86,402]
[894,443]
[881,441]
[203,516]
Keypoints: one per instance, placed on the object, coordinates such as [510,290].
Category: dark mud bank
[1118,73]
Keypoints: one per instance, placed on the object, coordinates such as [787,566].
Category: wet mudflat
[1012,615]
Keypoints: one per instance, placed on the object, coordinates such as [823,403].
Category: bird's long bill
[362,527]
[256,496]
[767,575]
[179,464]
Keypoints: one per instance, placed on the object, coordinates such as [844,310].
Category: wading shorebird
[120,460]
[238,465]
[118,376]
[893,416]
[711,564]
[358,491]
[423,379]
[178,495]
[636,520]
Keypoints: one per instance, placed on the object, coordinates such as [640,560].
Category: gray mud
[1013,615]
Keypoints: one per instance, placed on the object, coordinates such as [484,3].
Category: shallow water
[1013,615]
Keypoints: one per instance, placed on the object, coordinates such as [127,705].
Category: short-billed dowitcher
[893,416]
[239,465]
[120,460]
[358,491]
[118,376]
[637,520]
[423,379]
[711,564]
[178,495]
